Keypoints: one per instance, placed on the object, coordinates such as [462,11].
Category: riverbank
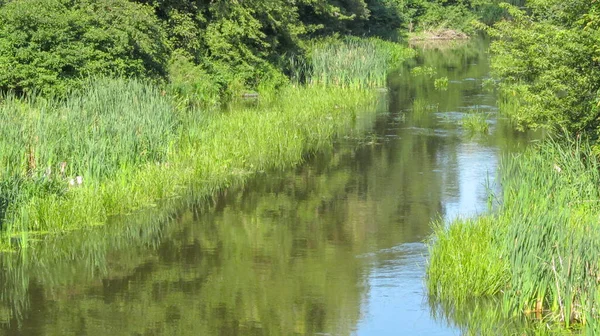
[121,145]
[537,253]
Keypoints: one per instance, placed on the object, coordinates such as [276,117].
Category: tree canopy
[50,45]
[548,62]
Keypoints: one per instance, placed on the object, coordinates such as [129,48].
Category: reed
[353,62]
[460,261]
[122,145]
[475,122]
[541,245]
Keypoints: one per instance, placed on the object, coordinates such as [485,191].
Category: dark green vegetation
[50,45]
[534,259]
[548,63]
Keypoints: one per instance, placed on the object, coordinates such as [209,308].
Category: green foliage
[438,16]
[354,62]
[426,71]
[548,65]
[191,85]
[49,45]
[441,83]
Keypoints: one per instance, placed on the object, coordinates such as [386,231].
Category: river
[334,247]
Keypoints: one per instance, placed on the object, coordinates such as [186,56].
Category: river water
[334,247]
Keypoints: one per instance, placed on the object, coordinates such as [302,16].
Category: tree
[49,45]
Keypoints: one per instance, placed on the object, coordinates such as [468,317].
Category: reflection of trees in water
[266,262]
[278,256]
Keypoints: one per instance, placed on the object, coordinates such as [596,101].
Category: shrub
[50,45]
[548,68]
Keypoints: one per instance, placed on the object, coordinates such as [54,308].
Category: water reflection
[332,248]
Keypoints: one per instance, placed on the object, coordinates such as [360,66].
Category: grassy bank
[539,252]
[122,145]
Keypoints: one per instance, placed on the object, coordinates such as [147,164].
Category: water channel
[334,247]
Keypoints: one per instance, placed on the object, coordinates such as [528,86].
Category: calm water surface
[334,247]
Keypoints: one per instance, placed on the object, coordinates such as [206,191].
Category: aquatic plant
[423,71]
[475,122]
[539,250]
[441,83]
[354,62]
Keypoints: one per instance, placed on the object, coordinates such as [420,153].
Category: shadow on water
[333,247]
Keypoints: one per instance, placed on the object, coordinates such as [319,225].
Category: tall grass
[112,125]
[120,145]
[130,148]
[353,62]
[539,252]
[473,268]
[475,122]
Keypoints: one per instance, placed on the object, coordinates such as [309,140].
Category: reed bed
[539,251]
[122,145]
[353,62]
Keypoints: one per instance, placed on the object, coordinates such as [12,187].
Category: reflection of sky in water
[476,171]
[396,303]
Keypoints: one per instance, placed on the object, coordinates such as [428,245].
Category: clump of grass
[542,245]
[475,123]
[441,83]
[423,71]
[465,250]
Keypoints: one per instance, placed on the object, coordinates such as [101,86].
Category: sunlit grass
[539,252]
[353,62]
[441,83]
[121,145]
[464,262]
[111,150]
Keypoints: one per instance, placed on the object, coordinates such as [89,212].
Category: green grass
[463,251]
[539,251]
[121,145]
[353,62]
[132,148]
[475,122]
[441,84]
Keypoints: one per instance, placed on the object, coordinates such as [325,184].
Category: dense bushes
[548,63]
[49,45]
